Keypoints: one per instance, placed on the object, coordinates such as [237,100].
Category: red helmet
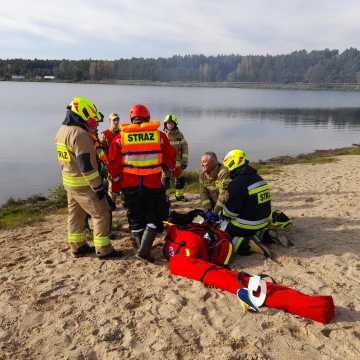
[140,111]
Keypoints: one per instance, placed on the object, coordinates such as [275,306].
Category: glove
[210,217]
[184,165]
[111,203]
[100,194]
[166,182]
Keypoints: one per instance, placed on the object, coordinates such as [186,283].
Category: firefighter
[247,211]
[214,180]
[83,184]
[178,141]
[107,137]
[136,159]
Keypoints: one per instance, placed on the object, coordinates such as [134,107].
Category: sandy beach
[53,306]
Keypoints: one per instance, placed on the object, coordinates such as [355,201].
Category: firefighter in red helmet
[136,160]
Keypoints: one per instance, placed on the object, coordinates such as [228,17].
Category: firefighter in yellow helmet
[179,143]
[247,211]
[83,184]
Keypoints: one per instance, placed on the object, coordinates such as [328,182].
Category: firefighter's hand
[210,217]
[100,194]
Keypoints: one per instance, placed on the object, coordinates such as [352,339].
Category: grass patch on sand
[19,212]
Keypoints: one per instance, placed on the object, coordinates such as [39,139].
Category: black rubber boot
[115,254]
[84,250]
[136,237]
[146,243]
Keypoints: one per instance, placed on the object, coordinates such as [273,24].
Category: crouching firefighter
[136,160]
[246,213]
[82,181]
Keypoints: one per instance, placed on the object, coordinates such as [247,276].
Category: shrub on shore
[18,212]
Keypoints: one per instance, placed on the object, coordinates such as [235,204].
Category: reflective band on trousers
[229,254]
[236,241]
[250,225]
[101,241]
[77,238]
[77,181]
[243,223]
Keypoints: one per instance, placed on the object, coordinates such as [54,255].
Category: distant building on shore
[17,77]
[49,77]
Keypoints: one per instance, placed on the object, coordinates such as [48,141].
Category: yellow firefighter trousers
[81,203]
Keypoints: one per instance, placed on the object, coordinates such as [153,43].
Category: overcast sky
[111,29]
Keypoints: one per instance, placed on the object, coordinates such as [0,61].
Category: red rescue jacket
[109,136]
[137,155]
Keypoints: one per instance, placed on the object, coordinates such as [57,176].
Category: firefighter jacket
[213,188]
[178,141]
[77,155]
[249,203]
[138,155]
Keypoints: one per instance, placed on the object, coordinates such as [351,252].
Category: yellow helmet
[234,159]
[85,109]
[171,117]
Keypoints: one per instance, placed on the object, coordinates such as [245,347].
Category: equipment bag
[201,241]
[318,308]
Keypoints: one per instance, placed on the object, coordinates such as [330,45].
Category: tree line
[323,66]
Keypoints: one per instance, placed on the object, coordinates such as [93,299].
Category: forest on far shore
[317,67]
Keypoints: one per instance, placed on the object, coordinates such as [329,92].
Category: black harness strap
[207,271]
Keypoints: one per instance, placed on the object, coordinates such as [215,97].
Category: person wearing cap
[86,194]
[108,135]
[178,141]
[136,159]
[213,180]
[246,213]
[106,138]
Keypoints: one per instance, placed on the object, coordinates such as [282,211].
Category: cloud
[126,28]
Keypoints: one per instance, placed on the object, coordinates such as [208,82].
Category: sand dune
[53,306]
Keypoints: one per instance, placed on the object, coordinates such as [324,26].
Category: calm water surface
[265,123]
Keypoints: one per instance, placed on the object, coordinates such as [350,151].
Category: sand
[53,306]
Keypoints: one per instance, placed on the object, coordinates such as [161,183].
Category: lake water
[265,123]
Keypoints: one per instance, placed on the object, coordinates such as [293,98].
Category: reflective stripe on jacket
[179,143]
[249,203]
[141,148]
[72,142]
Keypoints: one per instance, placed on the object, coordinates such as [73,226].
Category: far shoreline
[219,85]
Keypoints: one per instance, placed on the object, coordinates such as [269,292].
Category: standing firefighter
[82,182]
[177,140]
[136,159]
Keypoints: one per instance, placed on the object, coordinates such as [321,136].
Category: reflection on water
[265,123]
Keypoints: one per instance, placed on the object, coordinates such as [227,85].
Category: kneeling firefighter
[82,181]
[136,160]
[247,211]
